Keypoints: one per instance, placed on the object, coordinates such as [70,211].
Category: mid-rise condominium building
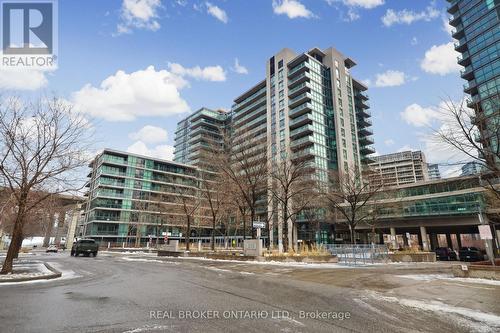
[477,31]
[433,170]
[471,168]
[401,168]
[132,198]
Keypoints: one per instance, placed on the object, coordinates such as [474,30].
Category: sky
[137,67]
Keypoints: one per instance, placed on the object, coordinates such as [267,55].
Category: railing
[359,254]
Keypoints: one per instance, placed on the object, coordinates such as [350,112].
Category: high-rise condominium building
[132,197]
[400,168]
[308,106]
[199,134]
[477,31]
[433,170]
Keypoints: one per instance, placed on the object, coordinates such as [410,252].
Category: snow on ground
[144,260]
[448,277]
[476,320]
[272,263]
[26,270]
[148,328]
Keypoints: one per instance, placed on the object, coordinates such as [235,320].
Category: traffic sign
[259,225]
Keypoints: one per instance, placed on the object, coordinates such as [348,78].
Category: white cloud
[239,68]
[124,97]
[210,73]
[446,26]
[291,8]
[367,4]
[389,142]
[22,79]
[150,134]
[216,12]
[390,78]
[414,41]
[441,60]
[419,116]
[165,152]
[406,16]
[352,15]
[140,14]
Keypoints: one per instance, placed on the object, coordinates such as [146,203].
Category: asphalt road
[114,293]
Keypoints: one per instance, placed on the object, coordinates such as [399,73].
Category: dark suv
[85,247]
[470,254]
[445,253]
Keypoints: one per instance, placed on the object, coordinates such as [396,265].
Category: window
[280,64]
[280,75]
[281,94]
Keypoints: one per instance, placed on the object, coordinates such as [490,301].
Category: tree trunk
[188,233]
[48,232]
[244,227]
[15,244]
[353,238]
[213,233]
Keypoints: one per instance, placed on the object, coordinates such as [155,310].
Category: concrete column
[295,238]
[405,240]
[434,241]
[393,238]
[459,240]
[448,241]
[48,232]
[61,218]
[70,237]
[423,239]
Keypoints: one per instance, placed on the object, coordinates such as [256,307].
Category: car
[470,254]
[445,253]
[52,248]
[85,247]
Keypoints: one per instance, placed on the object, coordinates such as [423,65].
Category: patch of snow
[141,259]
[448,277]
[490,322]
[147,328]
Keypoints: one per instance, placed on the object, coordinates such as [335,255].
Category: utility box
[252,247]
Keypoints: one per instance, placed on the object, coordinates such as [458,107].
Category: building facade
[477,31]
[132,198]
[471,168]
[401,168]
[199,134]
[433,170]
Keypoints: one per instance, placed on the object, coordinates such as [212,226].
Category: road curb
[55,274]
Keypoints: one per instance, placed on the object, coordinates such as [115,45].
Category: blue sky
[136,63]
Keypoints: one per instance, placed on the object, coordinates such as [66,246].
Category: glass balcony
[301,131]
[301,120]
[300,78]
[302,142]
[298,89]
[300,110]
[299,99]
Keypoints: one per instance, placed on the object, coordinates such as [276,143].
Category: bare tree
[213,186]
[42,144]
[475,133]
[245,166]
[350,195]
[189,201]
[292,186]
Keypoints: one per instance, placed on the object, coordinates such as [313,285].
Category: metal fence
[359,254]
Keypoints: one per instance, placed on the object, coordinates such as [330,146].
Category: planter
[413,257]
[476,271]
